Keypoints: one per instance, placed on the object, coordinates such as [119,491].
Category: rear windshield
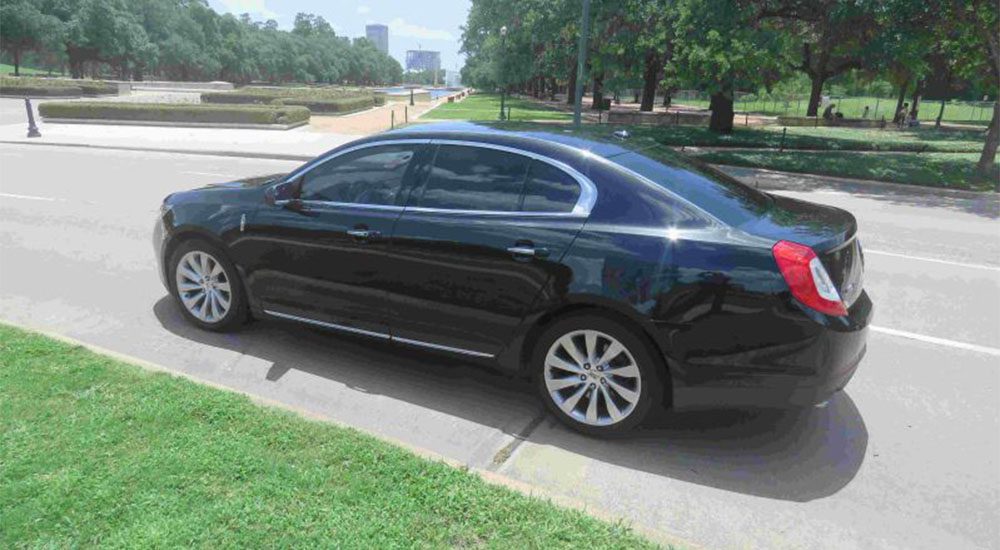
[713,191]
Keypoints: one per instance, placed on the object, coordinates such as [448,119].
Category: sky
[424,24]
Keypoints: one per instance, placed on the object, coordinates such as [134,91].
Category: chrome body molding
[379,335]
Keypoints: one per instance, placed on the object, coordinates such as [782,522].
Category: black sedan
[617,273]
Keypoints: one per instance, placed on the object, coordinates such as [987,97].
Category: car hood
[247,183]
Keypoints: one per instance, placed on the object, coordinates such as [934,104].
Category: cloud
[400,27]
[363,9]
[253,7]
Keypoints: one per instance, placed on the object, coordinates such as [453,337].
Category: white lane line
[209,174]
[939,341]
[932,260]
[30,197]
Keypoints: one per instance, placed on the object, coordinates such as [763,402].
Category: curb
[211,153]
[833,181]
[487,476]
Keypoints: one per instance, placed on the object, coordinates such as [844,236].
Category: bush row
[51,87]
[318,100]
[175,112]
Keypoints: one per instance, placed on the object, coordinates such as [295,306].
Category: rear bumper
[803,370]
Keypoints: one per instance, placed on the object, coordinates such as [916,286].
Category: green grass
[486,107]
[6,70]
[821,138]
[965,112]
[175,112]
[95,452]
[942,170]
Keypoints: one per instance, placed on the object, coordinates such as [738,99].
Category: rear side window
[549,189]
[373,175]
[475,178]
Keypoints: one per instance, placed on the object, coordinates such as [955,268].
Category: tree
[26,28]
[722,46]
[835,36]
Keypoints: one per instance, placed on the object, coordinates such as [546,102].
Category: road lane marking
[939,341]
[30,197]
[932,260]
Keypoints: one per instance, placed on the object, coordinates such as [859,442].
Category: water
[399,90]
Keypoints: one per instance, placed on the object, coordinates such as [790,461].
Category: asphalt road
[908,456]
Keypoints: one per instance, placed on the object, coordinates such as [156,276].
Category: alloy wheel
[592,377]
[203,286]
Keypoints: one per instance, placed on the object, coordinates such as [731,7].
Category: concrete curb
[225,125]
[210,153]
[492,478]
[745,172]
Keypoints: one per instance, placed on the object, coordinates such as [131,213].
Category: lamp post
[503,87]
[581,63]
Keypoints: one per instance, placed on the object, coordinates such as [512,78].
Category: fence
[970,112]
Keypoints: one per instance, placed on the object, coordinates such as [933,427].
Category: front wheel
[207,287]
[596,375]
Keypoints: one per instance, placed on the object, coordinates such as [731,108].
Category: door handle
[364,234]
[528,251]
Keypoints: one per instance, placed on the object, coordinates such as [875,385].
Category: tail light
[807,278]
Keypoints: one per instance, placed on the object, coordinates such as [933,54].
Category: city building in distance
[423,60]
[378,35]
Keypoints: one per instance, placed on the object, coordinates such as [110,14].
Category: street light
[503,88]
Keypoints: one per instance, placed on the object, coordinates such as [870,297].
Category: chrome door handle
[529,251]
[363,234]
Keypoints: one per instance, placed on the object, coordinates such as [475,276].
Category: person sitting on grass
[828,112]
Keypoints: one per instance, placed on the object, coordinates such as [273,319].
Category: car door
[318,258]
[481,236]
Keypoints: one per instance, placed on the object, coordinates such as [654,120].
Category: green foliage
[318,100]
[96,452]
[52,87]
[175,112]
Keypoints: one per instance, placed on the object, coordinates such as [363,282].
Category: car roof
[528,135]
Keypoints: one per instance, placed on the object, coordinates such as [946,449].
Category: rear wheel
[206,286]
[595,374]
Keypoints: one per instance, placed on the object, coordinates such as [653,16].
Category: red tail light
[807,278]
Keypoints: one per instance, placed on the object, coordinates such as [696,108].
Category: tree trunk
[815,94]
[937,123]
[989,155]
[552,88]
[721,105]
[571,86]
[915,105]
[17,62]
[899,100]
[666,98]
[649,80]
[598,94]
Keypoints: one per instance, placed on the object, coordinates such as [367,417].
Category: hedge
[318,100]
[175,112]
[51,87]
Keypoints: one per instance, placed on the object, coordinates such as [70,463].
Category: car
[616,272]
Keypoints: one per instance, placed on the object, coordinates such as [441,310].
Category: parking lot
[907,456]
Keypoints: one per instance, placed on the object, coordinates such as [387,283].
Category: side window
[474,178]
[549,189]
[373,175]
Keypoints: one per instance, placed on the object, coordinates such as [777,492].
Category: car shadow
[798,454]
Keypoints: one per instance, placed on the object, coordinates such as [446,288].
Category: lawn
[965,112]
[7,70]
[486,107]
[943,170]
[95,452]
[822,138]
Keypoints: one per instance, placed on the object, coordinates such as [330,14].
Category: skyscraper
[378,35]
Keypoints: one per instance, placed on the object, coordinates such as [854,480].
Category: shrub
[318,100]
[175,112]
[53,87]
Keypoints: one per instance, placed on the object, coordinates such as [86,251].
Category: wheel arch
[183,234]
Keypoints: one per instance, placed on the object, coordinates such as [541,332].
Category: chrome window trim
[584,204]
[379,335]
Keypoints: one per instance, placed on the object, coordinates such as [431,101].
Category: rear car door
[482,235]
[320,261]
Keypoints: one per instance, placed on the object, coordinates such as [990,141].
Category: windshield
[713,191]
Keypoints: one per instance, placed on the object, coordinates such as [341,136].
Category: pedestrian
[900,118]
[865,113]
[828,112]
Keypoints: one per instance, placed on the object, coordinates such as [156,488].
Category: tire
[223,282]
[628,383]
